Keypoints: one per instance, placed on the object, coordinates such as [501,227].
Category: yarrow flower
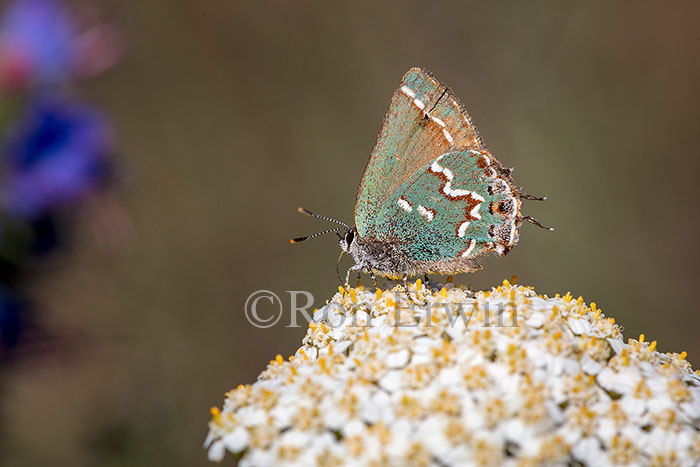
[57,154]
[492,378]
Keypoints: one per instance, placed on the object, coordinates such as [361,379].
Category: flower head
[38,43]
[502,377]
[56,155]
[41,45]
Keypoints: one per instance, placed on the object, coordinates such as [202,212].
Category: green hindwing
[449,209]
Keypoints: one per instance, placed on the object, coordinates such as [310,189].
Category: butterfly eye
[349,237]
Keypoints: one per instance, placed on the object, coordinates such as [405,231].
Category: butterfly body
[391,259]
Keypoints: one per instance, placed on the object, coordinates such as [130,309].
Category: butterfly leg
[531,197]
[405,286]
[532,220]
[352,269]
[426,281]
[374,278]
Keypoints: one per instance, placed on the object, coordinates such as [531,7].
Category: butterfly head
[347,241]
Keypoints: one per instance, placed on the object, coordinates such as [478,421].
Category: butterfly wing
[424,120]
[458,206]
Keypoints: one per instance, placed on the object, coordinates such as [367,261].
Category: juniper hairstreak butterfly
[432,197]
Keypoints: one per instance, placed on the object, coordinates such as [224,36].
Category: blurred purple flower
[41,44]
[38,43]
[56,155]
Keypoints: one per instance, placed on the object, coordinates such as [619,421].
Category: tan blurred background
[231,114]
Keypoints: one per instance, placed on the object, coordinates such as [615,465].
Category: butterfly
[432,197]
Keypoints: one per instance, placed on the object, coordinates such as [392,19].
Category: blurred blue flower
[54,156]
[38,43]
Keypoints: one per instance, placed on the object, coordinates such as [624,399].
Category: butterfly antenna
[318,216]
[532,220]
[301,239]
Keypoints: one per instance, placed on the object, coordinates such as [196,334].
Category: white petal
[237,440]
[398,359]
[579,326]
[536,320]
[391,381]
[590,366]
[216,451]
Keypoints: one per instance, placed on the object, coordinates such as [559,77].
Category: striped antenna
[318,216]
[301,239]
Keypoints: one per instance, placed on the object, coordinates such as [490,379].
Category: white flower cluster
[459,378]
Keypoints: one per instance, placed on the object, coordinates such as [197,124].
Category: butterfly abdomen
[394,260]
